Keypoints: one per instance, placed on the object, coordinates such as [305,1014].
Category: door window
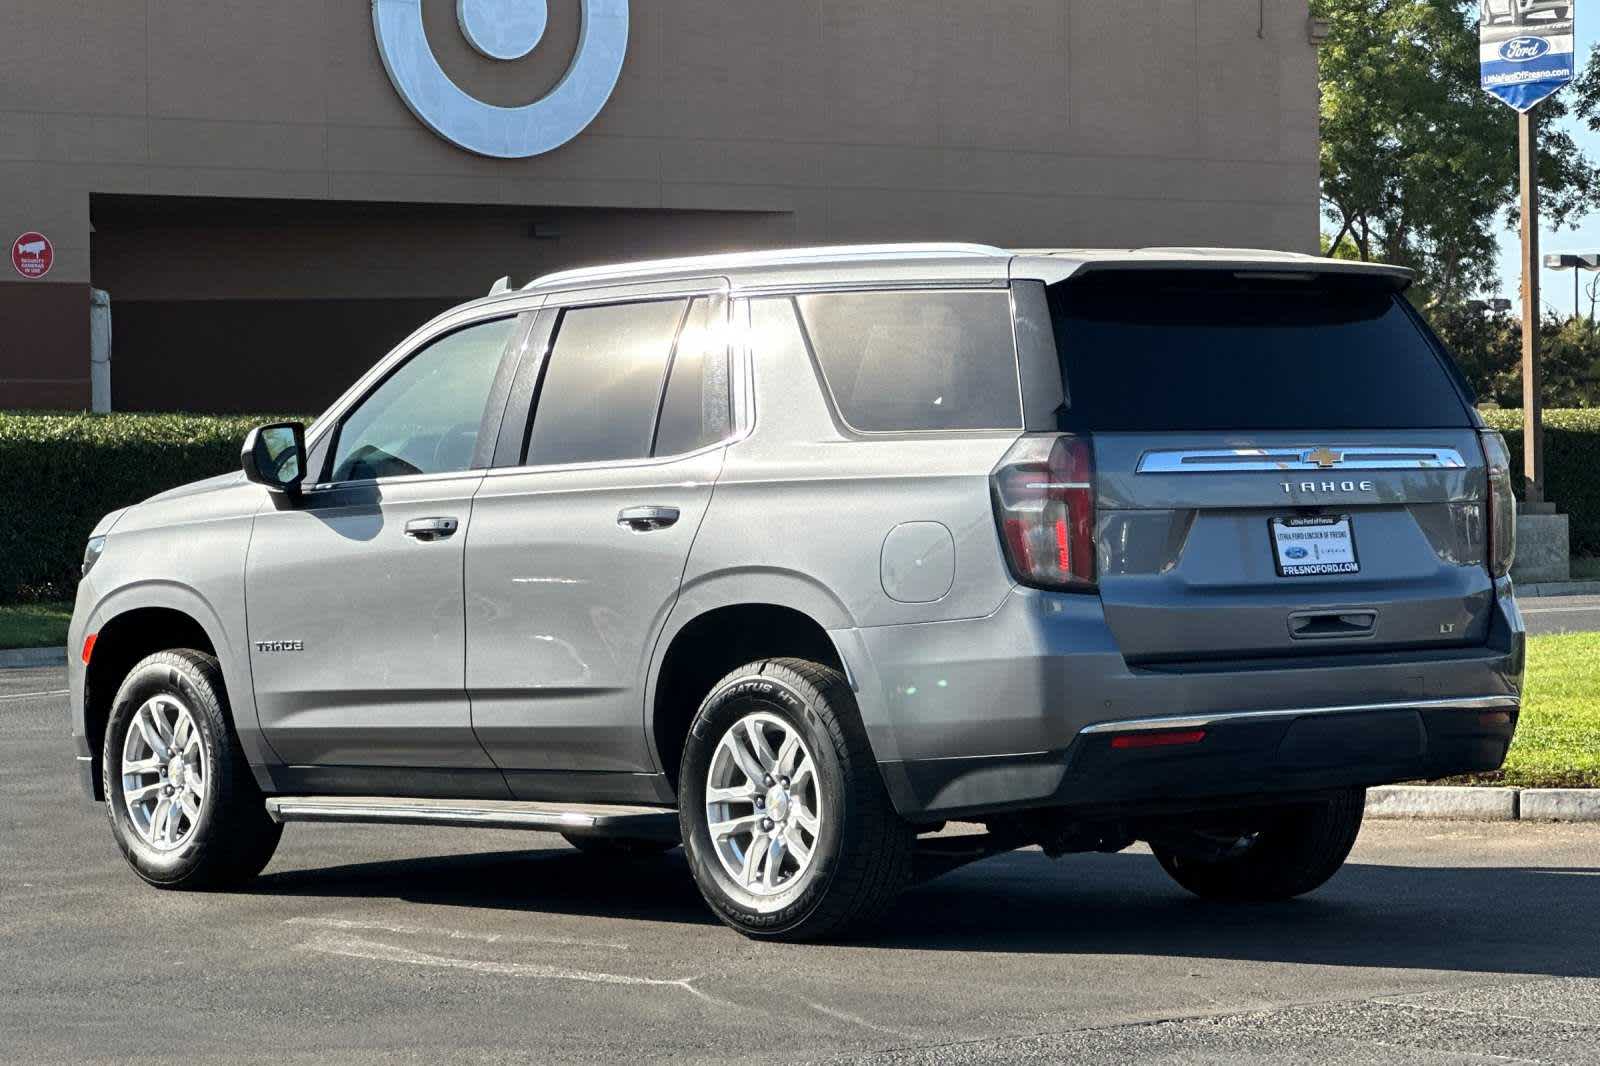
[697,409]
[426,416]
[602,388]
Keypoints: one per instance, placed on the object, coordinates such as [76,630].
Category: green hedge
[1571,466]
[59,473]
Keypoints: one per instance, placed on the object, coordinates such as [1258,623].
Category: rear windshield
[1152,351]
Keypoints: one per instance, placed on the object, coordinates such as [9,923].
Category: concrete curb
[1443,801]
[1560,805]
[1484,804]
[1558,588]
[15,658]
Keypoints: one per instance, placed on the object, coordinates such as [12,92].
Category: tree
[1419,164]
[1488,349]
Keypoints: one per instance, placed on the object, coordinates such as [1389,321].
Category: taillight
[1044,504]
[1502,504]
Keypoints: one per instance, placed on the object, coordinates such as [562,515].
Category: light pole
[1574,263]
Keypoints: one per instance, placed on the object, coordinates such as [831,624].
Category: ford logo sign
[1524,49]
[1296,552]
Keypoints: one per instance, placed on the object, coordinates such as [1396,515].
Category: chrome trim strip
[484,817]
[1200,721]
[1264,460]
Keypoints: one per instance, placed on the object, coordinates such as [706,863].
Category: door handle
[432,529]
[647,519]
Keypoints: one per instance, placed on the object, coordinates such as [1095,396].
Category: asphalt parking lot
[1439,943]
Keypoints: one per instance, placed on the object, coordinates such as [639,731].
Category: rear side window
[917,361]
[602,387]
[1152,351]
[697,409]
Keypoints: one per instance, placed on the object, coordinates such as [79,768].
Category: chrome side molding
[1272,460]
[644,822]
[1201,721]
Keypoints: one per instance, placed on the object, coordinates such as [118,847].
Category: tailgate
[1220,546]
[1285,464]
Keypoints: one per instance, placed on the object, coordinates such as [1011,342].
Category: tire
[618,847]
[858,851]
[1297,852]
[224,836]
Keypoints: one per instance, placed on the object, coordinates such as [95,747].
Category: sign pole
[1532,371]
[1523,62]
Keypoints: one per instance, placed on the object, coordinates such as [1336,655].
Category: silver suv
[796,558]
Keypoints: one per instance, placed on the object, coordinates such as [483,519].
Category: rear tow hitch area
[1054,832]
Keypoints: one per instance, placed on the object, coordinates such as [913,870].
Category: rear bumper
[1245,757]
[1017,710]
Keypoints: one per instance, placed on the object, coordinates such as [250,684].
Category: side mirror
[275,456]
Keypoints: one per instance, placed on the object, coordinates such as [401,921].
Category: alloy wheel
[763,804]
[165,771]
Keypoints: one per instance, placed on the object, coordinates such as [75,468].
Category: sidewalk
[14,658]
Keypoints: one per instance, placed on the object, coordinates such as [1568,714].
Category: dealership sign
[504,31]
[32,255]
[1526,49]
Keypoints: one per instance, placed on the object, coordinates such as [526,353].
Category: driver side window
[425,417]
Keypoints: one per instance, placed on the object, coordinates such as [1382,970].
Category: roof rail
[779,257]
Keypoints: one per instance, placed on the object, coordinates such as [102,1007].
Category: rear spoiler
[1054,267]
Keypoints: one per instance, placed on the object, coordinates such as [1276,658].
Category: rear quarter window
[1152,351]
[916,361]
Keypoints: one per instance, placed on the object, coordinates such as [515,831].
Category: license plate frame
[1329,543]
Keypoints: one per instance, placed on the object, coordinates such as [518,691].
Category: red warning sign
[33,255]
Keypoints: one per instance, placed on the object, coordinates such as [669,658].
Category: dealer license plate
[1310,546]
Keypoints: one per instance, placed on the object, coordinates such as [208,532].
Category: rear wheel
[1295,850]
[184,807]
[786,823]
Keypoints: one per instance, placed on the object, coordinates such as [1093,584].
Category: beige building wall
[735,122]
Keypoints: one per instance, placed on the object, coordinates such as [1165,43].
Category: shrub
[1571,466]
[59,473]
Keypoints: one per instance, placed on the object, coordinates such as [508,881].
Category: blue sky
[1556,285]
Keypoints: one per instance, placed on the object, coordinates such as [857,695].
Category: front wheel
[785,820]
[1293,851]
[184,808]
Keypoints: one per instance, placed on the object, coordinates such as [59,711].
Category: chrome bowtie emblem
[1326,458]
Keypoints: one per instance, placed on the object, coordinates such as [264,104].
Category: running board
[637,823]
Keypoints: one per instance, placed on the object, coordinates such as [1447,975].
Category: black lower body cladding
[1246,761]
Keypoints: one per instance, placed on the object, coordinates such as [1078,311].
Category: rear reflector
[88,647]
[1166,739]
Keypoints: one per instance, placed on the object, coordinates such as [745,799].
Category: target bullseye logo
[505,31]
